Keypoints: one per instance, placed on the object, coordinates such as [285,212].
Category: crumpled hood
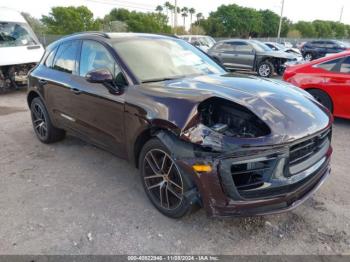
[290,112]
[278,54]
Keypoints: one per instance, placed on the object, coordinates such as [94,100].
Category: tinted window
[95,56]
[66,57]
[330,65]
[345,66]
[242,47]
[225,46]
[50,57]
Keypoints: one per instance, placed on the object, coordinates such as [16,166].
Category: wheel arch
[323,91]
[31,95]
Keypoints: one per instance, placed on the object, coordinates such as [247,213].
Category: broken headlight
[231,119]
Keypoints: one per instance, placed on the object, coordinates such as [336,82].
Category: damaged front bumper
[256,180]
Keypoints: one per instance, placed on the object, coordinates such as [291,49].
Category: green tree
[269,23]
[67,20]
[140,22]
[38,27]
[159,9]
[306,29]
[192,12]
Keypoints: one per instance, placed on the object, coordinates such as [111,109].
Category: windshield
[15,34]
[259,46]
[164,58]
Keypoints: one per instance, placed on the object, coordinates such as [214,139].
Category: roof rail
[103,34]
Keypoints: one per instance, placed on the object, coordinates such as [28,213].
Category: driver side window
[95,56]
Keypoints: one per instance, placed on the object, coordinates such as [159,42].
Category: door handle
[42,82]
[75,91]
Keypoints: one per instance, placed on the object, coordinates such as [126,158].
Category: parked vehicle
[201,41]
[279,47]
[327,79]
[20,50]
[251,55]
[320,48]
[236,145]
[287,44]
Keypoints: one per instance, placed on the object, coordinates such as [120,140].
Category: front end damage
[248,175]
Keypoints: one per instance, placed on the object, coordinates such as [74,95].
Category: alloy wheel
[308,57]
[264,70]
[162,179]
[39,121]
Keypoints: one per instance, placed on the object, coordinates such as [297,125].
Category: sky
[295,10]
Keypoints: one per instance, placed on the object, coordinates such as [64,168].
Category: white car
[203,42]
[20,49]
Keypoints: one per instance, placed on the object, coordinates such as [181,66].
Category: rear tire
[265,69]
[42,124]
[323,98]
[164,183]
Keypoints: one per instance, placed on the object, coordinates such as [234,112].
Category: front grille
[302,151]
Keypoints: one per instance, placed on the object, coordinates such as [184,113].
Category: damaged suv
[235,145]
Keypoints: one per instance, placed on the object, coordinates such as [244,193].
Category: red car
[327,79]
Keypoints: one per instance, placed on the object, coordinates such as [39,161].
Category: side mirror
[105,77]
[99,76]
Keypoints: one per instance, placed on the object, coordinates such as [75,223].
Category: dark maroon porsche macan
[236,145]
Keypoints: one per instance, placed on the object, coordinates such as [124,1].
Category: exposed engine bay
[11,77]
[231,119]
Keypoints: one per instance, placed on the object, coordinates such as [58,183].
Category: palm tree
[192,11]
[184,14]
[159,9]
[167,6]
[199,17]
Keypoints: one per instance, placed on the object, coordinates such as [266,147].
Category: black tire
[160,195]
[323,98]
[42,124]
[308,56]
[265,69]
[280,71]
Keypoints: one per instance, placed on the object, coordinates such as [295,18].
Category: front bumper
[281,189]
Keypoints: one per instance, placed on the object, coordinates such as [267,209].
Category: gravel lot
[73,198]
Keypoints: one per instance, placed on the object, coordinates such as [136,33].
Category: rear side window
[65,59]
[224,47]
[345,66]
[330,65]
[242,47]
[50,57]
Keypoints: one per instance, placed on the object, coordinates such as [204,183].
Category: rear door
[59,87]
[336,83]
[225,53]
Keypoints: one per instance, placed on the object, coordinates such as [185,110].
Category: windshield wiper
[154,80]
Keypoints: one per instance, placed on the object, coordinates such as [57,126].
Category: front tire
[164,183]
[323,98]
[42,124]
[308,57]
[265,69]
